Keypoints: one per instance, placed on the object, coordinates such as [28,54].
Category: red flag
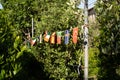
[75,34]
[52,38]
[32,42]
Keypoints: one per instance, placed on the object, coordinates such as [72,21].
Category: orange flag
[52,38]
[46,36]
[75,34]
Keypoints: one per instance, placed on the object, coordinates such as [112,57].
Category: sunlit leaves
[51,15]
[109,20]
[10,45]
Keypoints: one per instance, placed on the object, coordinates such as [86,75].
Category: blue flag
[66,36]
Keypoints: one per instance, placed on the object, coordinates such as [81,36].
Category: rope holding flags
[56,37]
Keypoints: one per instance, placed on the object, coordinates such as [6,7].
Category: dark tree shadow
[109,64]
[31,69]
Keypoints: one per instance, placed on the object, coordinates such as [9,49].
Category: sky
[90,4]
[1,6]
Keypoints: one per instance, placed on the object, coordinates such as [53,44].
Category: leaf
[23,48]
[16,43]
[21,52]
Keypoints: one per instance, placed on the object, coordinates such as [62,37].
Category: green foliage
[10,46]
[56,62]
[59,60]
[93,62]
[109,40]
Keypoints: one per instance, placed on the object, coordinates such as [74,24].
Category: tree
[109,39]
[11,48]
[59,61]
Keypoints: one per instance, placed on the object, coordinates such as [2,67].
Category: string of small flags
[56,37]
